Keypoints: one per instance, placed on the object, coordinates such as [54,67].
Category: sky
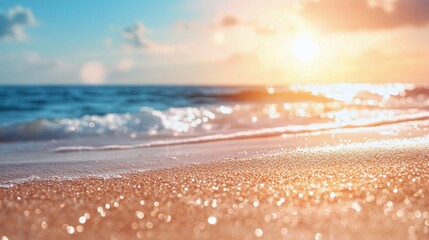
[223,42]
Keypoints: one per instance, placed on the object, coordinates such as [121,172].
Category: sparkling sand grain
[366,191]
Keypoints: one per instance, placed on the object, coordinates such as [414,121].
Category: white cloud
[13,22]
[229,21]
[352,15]
[136,35]
[136,38]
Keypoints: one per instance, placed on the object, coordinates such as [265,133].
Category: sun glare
[304,48]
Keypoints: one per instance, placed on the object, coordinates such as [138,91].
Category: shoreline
[39,162]
[357,191]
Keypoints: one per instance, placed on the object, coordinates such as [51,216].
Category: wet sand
[361,191]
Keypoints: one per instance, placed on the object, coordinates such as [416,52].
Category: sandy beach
[374,190]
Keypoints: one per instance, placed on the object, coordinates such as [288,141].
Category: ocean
[48,131]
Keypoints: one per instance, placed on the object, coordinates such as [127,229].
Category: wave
[194,111]
[314,92]
[262,95]
[147,121]
[302,92]
[260,133]
[150,123]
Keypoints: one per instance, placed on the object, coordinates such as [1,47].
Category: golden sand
[373,192]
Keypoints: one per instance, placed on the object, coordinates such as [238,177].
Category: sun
[304,48]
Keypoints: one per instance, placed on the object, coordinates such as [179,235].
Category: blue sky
[205,42]
[78,30]
[71,25]
[66,26]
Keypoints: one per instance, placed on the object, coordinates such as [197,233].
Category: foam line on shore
[260,133]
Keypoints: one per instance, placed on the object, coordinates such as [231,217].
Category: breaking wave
[266,132]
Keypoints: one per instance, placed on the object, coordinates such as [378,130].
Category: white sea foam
[265,132]
[247,119]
